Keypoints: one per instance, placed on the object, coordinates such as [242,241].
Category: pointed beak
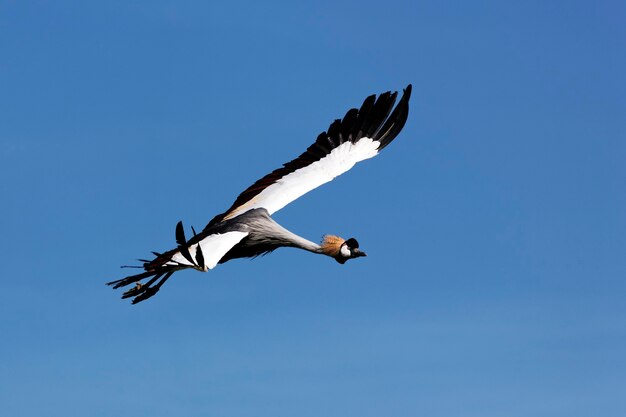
[358,253]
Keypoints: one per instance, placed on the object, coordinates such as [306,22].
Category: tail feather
[131,279]
[142,292]
[207,248]
[140,288]
[160,268]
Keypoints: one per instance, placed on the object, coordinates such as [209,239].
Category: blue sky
[495,224]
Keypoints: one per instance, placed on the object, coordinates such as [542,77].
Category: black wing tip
[396,120]
[372,119]
[406,96]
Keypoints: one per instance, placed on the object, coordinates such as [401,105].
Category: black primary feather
[370,120]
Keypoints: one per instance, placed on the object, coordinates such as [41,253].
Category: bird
[247,230]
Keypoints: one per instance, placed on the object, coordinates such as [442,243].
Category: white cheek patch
[345,252]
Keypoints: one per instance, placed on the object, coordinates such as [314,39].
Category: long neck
[269,233]
[291,239]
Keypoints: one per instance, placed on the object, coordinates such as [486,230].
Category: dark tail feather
[131,279]
[144,291]
[140,288]
[147,291]
[160,268]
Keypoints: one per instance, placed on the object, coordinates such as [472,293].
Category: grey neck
[291,239]
[265,231]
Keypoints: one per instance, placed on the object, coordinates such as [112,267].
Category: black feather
[199,256]
[131,279]
[141,288]
[396,120]
[182,242]
[150,291]
[364,112]
[180,234]
[369,120]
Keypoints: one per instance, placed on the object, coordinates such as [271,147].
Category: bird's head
[341,249]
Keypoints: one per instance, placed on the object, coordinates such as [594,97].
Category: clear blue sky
[495,224]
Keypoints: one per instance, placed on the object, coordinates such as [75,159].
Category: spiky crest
[331,245]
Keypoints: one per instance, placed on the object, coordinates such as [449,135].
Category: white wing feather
[213,247]
[296,184]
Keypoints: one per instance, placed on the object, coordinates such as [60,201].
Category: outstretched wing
[360,135]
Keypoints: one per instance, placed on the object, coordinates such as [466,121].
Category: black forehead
[352,243]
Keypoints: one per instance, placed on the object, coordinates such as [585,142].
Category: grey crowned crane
[247,229]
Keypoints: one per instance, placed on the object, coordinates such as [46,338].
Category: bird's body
[264,236]
[247,229]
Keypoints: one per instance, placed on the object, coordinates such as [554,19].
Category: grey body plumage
[264,236]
